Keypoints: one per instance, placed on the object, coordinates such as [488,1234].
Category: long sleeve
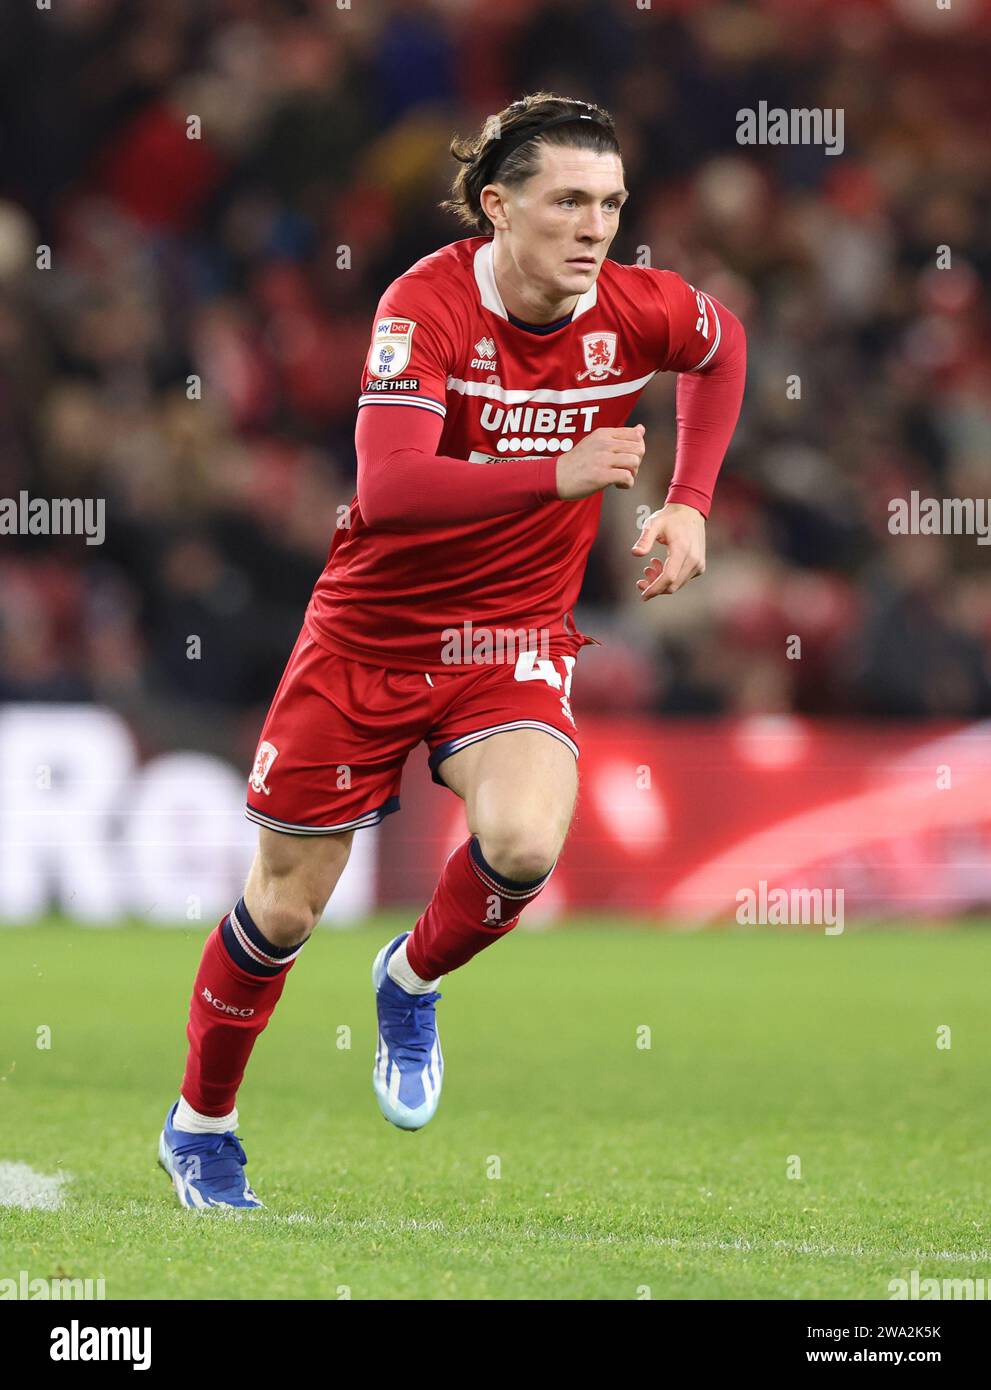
[708,406]
[403,483]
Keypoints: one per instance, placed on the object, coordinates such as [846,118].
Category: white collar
[489,291]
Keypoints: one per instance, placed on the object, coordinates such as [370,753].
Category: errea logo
[486,359]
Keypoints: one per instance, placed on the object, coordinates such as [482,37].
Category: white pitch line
[689,1244]
[804,1247]
[22,1186]
[698,1244]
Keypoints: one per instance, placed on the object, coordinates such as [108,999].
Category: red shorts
[338,731]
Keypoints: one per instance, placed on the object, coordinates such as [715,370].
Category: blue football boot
[207,1170]
[409,1065]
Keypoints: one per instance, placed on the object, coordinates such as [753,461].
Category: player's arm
[403,483]
[706,345]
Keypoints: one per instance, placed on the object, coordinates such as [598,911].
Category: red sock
[238,984]
[472,907]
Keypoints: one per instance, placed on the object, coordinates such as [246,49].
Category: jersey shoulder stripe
[709,308]
[421,402]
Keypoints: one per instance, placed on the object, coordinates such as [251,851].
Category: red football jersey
[443,342]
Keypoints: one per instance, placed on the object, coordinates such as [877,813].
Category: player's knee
[519,855]
[289,885]
[285,922]
[284,911]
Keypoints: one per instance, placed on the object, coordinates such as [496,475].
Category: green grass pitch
[565,1162]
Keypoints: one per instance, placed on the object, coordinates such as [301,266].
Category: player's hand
[606,457]
[682,530]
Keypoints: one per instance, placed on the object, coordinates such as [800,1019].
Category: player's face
[561,222]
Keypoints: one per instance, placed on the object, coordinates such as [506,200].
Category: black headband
[504,145]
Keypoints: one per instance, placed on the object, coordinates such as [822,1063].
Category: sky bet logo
[391,347]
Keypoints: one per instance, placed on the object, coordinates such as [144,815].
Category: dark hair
[504,151]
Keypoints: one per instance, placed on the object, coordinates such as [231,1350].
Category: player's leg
[246,961]
[329,762]
[240,979]
[519,789]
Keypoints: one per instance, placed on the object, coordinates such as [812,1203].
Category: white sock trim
[401,973]
[192,1122]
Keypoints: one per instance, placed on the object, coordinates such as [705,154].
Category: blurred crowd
[192,351]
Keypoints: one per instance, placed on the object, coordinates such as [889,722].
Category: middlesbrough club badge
[600,353]
[265,757]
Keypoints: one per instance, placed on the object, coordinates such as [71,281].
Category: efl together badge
[391,347]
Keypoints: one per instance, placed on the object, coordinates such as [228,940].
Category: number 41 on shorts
[530,667]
